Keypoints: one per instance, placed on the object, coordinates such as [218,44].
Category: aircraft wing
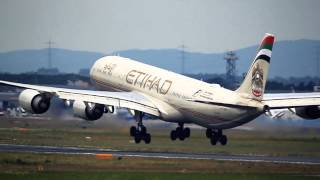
[291,100]
[130,100]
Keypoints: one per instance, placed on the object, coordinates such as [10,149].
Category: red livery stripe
[267,43]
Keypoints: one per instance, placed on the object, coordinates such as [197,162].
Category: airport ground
[112,133]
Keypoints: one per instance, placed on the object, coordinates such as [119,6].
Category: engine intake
[308,112]
[34,101]
[88,111]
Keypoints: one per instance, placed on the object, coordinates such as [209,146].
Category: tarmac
[166,155]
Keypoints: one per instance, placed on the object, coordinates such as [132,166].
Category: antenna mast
[183,59]
[50,43]
[231,59]
[318,64]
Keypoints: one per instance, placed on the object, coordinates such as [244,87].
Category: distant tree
[216,80]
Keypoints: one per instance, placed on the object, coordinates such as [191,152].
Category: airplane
[145,89]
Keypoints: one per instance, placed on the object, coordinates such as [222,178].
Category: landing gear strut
[216,136]
[139,132]
[180,133]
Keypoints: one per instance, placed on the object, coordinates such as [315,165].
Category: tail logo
[257,81]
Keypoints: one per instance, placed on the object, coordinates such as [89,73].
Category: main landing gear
[180,133]
[139,132]
[216,136]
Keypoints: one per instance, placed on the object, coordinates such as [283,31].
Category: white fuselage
[173,93]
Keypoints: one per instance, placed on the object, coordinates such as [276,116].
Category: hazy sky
[111,25]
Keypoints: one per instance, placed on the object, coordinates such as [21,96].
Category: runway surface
[167,155]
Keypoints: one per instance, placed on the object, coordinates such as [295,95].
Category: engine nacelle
[308,112]
[34,101]
[89,111]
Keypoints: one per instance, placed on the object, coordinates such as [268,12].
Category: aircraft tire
[181,136]
[133,131]
[186,132]
[143,130]
[137,138]
[223,140]
[214,139]
[209,133]
[173,135]
[147,138]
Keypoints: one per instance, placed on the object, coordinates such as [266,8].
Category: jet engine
[88,111]
[34,101]
[308,112]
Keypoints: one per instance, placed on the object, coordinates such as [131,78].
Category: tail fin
[255,81]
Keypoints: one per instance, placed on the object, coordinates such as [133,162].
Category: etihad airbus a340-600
[145,89]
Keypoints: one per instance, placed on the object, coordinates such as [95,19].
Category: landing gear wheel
[173,135]
[137,139]
[143,130]
[147,138]
[186,132]
[223,140]
[181,136]
[140,131]
[216,136]
[213,141]
[209,133]
[180,132]
[133,131]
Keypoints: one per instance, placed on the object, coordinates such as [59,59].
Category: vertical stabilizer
[255,81]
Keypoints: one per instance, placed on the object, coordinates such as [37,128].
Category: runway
[165,155]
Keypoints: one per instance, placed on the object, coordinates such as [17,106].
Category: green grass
[304,142]
[146,176]
[239,142]
[29,162]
